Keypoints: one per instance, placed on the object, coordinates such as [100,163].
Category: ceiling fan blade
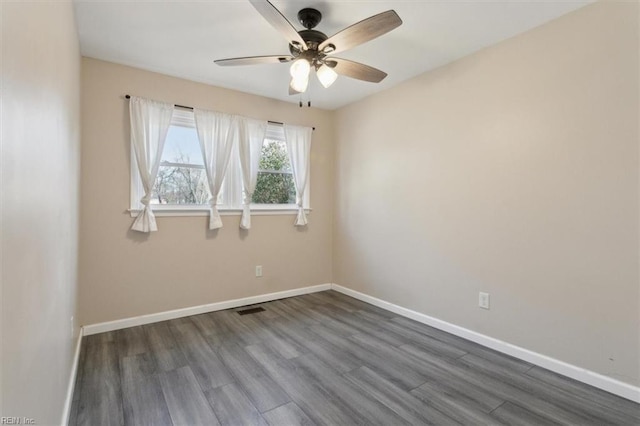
[362,31]
[278,21]
[356,70]
[254,60]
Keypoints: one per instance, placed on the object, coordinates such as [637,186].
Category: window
[181,187]
[181,176]
[275,179]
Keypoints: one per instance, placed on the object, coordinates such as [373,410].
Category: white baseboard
[72,381]
[195,310]
[589,377]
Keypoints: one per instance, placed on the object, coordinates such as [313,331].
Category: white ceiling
[182,38]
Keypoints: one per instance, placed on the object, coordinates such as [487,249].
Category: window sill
[262,210]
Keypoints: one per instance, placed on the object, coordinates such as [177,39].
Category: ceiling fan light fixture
[326,75]
[300,69]
[311,48]
[300,84]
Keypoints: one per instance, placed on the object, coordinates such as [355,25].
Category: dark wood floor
[324,359]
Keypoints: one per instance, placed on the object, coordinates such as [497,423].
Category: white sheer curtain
[150,121]
[252,134]
[299,148]
[216,133]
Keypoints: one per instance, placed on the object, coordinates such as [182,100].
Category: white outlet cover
[483,300]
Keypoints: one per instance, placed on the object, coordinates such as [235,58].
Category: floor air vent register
[250,311]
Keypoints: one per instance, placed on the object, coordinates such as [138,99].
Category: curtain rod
[279,123]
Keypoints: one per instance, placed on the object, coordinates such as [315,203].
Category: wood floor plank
[356,304]
[263,391]
[203,361]
[416,338]
[101,399]
[159,336]
[144,402]
[394,357]
[367,409]
[206,324]
[218,323]
[364,326]
[328,320]
[392,369]
[268,312]
[232,407]
[514,415]
[131,341]
[443,374]
[462,374]
[592,395]
[273,337]
[461,344]
[73,413]
[288,414]
[335,301]
[319,405]
[163,347]
[101,405]
[309,299]
[137,367]
[309,310]
[231,320]
[186,403]
[362,306]
[289,314]
[591,412]
[463,410]
[411,409]
[77,389]
[338,359]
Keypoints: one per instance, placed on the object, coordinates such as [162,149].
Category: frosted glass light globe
[300,85]
[300,69]
[326,75]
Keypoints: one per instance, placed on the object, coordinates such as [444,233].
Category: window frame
[231,185]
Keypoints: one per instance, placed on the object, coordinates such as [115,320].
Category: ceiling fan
[311,49]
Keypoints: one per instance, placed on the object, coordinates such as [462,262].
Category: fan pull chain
[301,103]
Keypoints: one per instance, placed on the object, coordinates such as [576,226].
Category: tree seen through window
[275,180]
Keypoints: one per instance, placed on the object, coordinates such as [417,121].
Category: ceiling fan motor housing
[309,18]
[313,38]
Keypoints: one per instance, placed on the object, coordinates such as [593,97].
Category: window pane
[182,146]
[180,185]
[274,156]
[274,188]
[181,176]
[275,182]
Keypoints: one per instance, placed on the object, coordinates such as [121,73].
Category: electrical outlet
[259,271]
[72,327]
[483,300]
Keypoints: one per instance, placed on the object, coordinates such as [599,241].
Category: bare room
[320,212]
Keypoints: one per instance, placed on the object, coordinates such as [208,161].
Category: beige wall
[512,171]
[125,273]
[40,153]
